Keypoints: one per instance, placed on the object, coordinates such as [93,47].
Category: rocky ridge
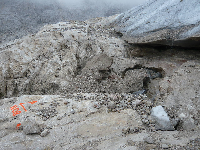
[21,17]
[79,85]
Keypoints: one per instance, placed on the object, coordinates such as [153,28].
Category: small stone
[146,121]
[72,111]
[131,143]
[182,115]
[111,105]
[97,106]
[59,117]
[115,98]
[31,127]
[151,146]
[66,102]
[44,133]
[137,102]
[44,119]
[149,140]
[144,116]
[125,130]
[2,120]
[134,130]
[165,146]
[41,103]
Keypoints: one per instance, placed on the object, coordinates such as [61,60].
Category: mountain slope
[21,17]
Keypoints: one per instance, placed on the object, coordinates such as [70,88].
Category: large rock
[172,22]
[161,118]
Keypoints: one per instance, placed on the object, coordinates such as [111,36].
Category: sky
[86,9]
[79,3]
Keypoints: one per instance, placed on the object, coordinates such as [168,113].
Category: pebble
[126,130]
[44,133]
[135,130]
[66,102]
[165,146]
[138,102]
[59,117]
[131,143]
[97,105]
[111,105]
[149,140]
[72,111]
[1,119]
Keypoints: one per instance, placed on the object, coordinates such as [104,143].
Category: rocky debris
[80,62]
[109,82]
[100,91]
[53,66]
[183,97]
[161,118]
[89,125]
[193,144]
[129,130]
[46,112]
[72,126]
[161,22]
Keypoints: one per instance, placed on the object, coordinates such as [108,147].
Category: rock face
[62,57]
[53,57]
[172,22]
[182,91]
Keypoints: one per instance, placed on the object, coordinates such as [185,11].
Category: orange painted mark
[32,102]
[21,104]
[15,110]
[18,125]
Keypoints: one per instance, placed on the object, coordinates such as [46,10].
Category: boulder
[31,127]
[161,118]
[172,22]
